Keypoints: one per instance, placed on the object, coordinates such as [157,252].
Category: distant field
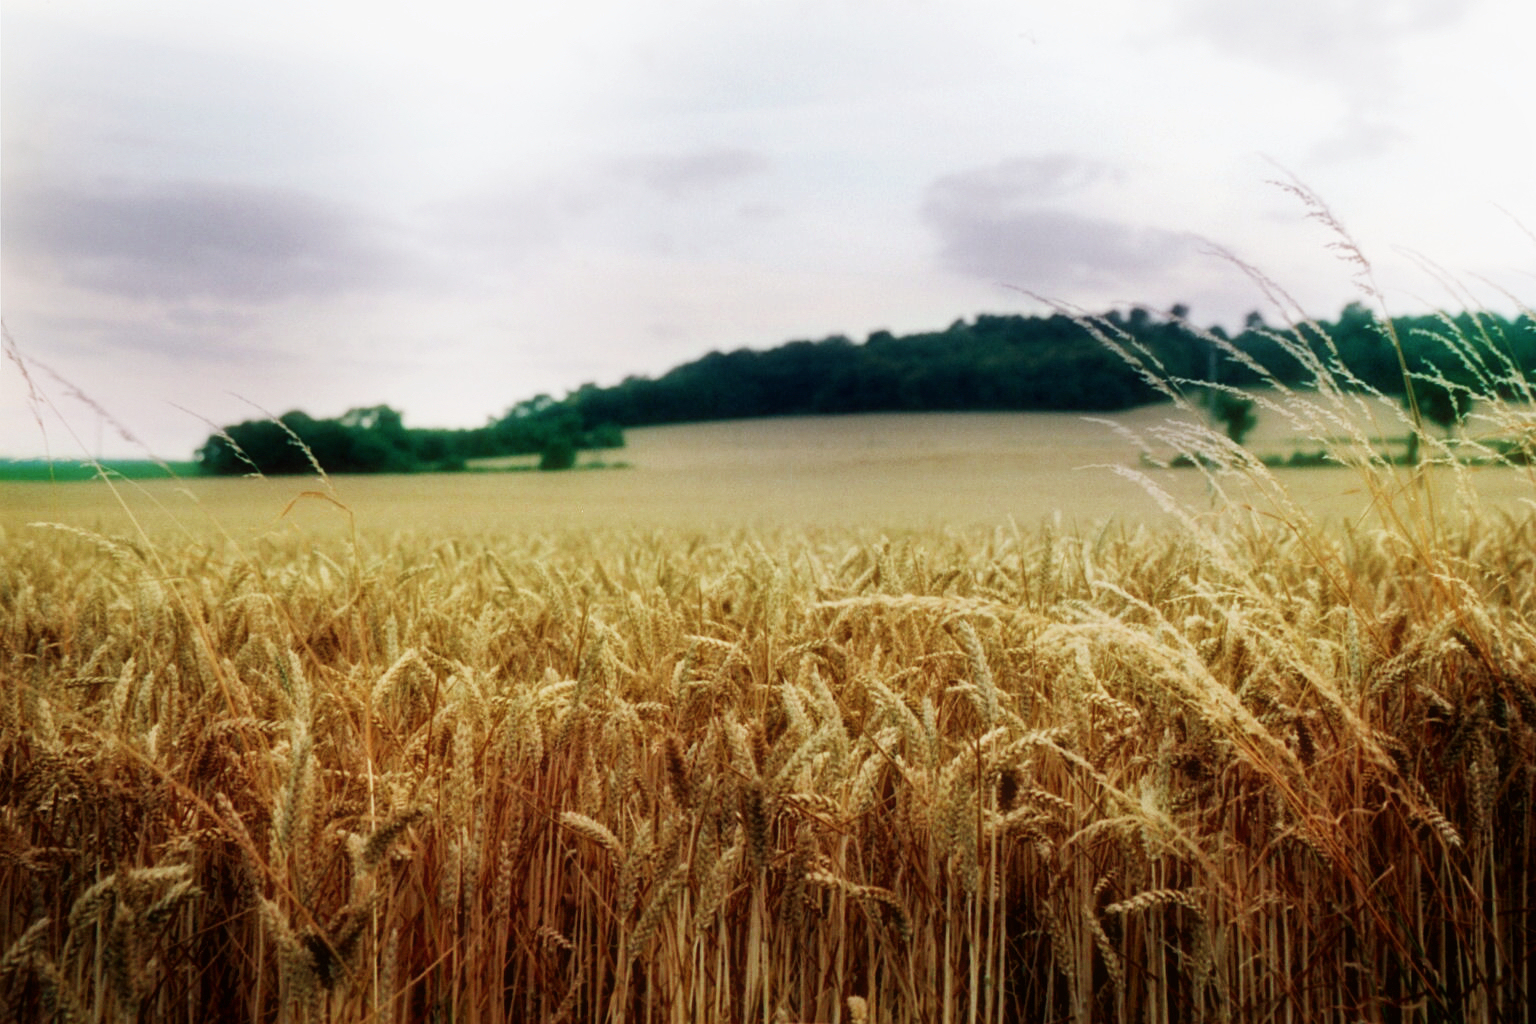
[61,470]
[884,472]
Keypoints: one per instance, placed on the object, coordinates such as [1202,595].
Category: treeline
[1017,363]
[995,363]
[376,440]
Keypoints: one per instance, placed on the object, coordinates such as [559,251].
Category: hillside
[1045,364]
[992,364]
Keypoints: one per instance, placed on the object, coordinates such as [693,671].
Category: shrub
[559,453]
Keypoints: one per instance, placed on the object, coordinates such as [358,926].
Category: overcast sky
[451,207]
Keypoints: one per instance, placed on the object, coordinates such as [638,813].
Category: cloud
[1031,179]
[513,220]
[993,223]
[1349,42]
[1295,31]
[1360,139]
[608,202]
[682,175]
[180,241]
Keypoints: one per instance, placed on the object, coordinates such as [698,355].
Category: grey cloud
[221,318]
[1346,41]
[991,225]
[183,336]
[517,221]
[1028,179]
[1297,30]
[521,218]
[677,176]
[178,241]
[1352,46]
[1358,139]
[1057,248]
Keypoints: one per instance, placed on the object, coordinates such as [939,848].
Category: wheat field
[326,751]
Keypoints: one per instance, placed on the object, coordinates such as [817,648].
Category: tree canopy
[1007,363]
[375,440]
[994,363]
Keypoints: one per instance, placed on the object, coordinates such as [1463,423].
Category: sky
[214,212]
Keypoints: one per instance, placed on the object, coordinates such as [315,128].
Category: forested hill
[996,363]
[1001,363]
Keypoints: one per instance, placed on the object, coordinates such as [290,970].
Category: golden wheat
[1255,766]
[531,791]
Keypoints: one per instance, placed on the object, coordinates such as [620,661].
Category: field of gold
[1240,767]
[792,722]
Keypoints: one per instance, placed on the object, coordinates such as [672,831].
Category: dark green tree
[1442,402]
[558,453]
[1235,413]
